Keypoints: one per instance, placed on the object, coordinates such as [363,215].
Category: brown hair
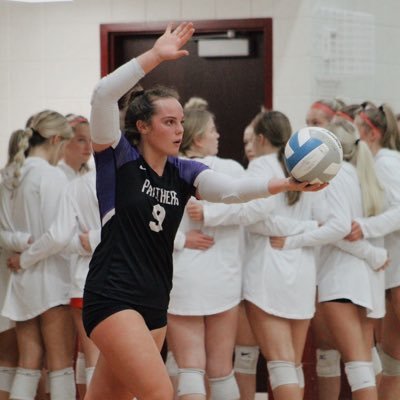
[275,126]
[142,108]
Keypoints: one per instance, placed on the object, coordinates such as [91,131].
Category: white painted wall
[50,53]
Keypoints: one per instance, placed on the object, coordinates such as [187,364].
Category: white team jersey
[341,274]
[387,224]
[280,282]
[207,282]
[10,240]
[46,284]
[68,171]
[83,209]
[78,212]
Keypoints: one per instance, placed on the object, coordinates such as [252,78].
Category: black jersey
[141,212]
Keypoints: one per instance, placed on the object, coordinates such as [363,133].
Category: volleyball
[313,154]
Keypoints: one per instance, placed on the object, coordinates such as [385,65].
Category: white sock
[6,378]
[62,384]
[25,384]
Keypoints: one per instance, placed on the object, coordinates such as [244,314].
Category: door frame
[111,34]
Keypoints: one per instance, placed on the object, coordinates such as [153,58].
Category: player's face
[166,129]
[208,142]
[78,150]
[248,135]
[316,117]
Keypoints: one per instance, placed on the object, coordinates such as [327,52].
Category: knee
[360,375]
[224,388]
[246,358]
[282,373]
[390,365]
[191,381]
[328,363]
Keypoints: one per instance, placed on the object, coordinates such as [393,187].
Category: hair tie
[35,132]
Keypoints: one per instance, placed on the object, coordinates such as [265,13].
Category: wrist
[276,186]
[149,60]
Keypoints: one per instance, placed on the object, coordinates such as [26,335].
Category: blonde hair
[197,117]
[358,153]
[383,119]
[42,126]
[50,123]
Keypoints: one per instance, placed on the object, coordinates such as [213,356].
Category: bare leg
[389,388]
[220,342]
[245,337]
[30,344]
[328,387]
[274,336]
[58,336]
[130,362]
[86,345]
[345,322]
[8,354]
[186,337]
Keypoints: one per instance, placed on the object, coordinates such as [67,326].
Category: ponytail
[358,153]
[18,159]
[391,137]
[371,190]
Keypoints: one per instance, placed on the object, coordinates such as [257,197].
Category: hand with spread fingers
[168,46]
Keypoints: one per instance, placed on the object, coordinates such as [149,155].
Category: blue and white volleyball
[313,154]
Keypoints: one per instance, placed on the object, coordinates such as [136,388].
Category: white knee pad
[376,361]
[89,371]
[300,376]
[390,365]
[360,374]
[62,385]
[80,377]
[225,388]
[246,358]
[25,384]
[191,381]
[328,363]
[6,378]
[282,373]
[171,365]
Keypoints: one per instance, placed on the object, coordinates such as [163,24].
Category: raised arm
[104,117]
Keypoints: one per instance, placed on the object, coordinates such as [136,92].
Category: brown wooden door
[235,87]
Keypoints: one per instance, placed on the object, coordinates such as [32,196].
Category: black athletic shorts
[97,308]
[338,301]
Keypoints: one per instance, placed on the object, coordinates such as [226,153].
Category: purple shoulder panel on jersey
[125,152]
[188,169]
[107,163]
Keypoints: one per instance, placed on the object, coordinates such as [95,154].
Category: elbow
[100,92]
